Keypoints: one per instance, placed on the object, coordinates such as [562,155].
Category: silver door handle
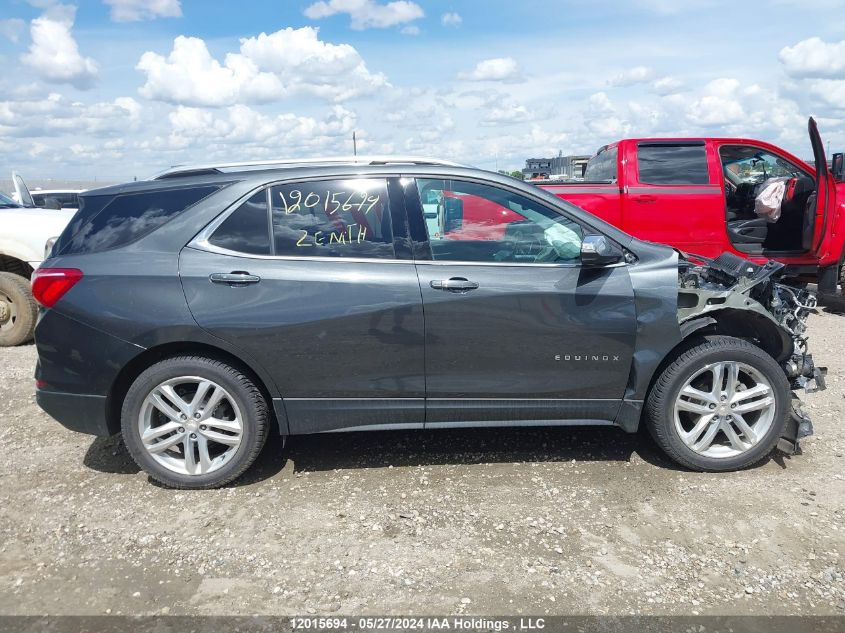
[236,278]
[455,284]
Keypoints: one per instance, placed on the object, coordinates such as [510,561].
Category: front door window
[472,222]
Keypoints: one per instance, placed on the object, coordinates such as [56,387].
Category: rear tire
[18,310]
[696,420]
[194,422]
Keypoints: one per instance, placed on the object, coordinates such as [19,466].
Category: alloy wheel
[724,410]
[190,425]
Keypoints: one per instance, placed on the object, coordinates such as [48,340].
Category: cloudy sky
[115,89]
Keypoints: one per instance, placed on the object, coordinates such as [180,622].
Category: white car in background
[25,231]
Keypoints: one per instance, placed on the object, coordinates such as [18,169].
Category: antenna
[354,144]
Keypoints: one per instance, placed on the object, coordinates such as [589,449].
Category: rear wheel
[18,310]
[194,422]
[720,405]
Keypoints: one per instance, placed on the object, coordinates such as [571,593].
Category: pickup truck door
[672,196]
[818,222]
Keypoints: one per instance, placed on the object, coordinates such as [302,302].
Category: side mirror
[52,203]
[838,166]
[597,250]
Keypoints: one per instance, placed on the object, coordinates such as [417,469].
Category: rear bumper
[77,367]
[80,413]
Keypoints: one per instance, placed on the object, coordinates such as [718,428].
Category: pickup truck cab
[698,195]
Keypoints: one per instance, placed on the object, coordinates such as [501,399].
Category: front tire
[194,422]
[720,405]
[18,310]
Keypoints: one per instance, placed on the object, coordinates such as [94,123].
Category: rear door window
[333,218]
[672,164]
[113,221]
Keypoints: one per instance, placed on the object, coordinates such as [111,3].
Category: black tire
[17,330]
[665,391]
[247,396]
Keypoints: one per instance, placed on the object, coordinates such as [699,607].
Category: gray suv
[201,310]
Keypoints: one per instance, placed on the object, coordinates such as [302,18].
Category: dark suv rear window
[105,222]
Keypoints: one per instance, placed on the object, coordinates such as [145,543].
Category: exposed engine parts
[730,289]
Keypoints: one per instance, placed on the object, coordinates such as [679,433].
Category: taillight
[50,284]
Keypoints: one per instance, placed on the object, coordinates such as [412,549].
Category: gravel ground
[508,522]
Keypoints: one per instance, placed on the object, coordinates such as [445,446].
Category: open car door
[22,191]
[820,214]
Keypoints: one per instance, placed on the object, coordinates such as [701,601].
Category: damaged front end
[733,294]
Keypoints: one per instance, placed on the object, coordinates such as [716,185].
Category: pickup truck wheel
[194,422]
[18,310]
[720,405]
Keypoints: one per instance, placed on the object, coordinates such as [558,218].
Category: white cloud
[632,76]
[267,68]
[495,69]
[667,86]
[831,92]
[725,87]
[287,133]
[451,19]
[190,75]
[600,103]
[54,116]
[814,57]
[367,13]
[12,28]
[306,63]
[135,10]
[54,54]
[507,114]
[410,30]
[715,110]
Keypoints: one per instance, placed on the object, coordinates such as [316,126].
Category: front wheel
[194,422]
[720,405]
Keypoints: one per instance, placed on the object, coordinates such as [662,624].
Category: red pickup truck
[698,195]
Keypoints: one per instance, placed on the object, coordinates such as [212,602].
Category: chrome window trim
[200,241]
[205,246]
[202,245]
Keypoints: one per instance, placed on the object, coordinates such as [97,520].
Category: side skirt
[315,415]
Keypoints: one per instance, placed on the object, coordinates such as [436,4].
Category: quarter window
[671,164]
[333,218]
[472,222]
[246,230]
